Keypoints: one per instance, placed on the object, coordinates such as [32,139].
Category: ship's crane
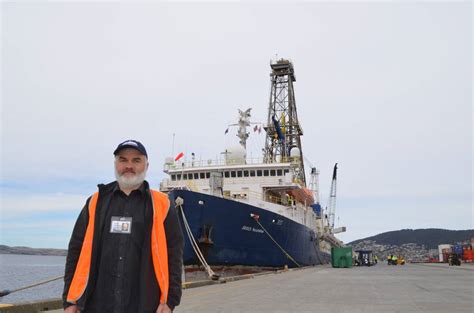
[331,208]
[314,181]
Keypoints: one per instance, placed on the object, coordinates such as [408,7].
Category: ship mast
[283,142]
[244,122]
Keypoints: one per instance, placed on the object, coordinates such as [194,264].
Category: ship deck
[381,288]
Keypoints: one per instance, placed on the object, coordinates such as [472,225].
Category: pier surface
[381,288]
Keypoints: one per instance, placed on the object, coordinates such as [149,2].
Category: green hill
[430,237]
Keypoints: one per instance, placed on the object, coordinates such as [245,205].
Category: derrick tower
[283,142]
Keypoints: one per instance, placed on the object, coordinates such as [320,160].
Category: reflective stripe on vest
[81,274]
[159,249]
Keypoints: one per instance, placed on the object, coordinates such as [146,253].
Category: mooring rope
[4,293]
[256,217]
[210,272]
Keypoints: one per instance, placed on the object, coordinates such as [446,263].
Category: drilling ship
[254,212]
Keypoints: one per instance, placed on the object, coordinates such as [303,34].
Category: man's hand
[163,308]
[72,309]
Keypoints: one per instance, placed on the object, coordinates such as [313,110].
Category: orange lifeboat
[302,195]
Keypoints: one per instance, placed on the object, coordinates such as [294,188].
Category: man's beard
[130,182]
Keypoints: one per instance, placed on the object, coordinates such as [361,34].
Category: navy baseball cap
[131,144]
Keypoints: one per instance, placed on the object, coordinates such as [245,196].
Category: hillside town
[412,252]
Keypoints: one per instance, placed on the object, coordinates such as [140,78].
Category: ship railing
[246,195]
[296,212]
[277,181]
[220,162]
[182,184]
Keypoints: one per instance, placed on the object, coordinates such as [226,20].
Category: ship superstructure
[255,211]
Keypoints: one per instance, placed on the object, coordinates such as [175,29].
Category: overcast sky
[383,88]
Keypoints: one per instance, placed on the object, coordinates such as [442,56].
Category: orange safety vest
[159,249]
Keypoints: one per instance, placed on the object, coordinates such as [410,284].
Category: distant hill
[430,237]
[31,251]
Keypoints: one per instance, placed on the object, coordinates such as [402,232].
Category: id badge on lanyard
[121,225]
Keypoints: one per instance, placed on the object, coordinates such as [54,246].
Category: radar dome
[235,155]
[295,152]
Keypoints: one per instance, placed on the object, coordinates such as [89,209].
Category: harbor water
[21,270]
[17,271]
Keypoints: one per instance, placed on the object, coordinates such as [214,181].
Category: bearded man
[125,252]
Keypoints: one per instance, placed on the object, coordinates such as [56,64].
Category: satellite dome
[295,152]
[235,155]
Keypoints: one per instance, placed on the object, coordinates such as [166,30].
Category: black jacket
[149,299]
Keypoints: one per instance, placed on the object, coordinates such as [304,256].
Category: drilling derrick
[283,142]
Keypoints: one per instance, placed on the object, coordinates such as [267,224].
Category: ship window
[202,175]
[272,173]
[208,175]
[232,174]
[265,172]
[252,173]
[178,176]
[226,174]
[259,172]
[173,177]
[196,175]
[185,176]
[286,171]
[239,173]
[279,173]
[246,173]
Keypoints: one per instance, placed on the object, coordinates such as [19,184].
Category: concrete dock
[381,288]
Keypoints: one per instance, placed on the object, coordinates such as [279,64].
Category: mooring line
[6,292]
[256,217]
[179,203]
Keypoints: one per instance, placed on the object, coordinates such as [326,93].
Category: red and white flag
[179,156]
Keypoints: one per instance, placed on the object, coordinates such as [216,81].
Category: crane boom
[332,199]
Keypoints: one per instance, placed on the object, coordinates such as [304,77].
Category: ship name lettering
[252,229]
